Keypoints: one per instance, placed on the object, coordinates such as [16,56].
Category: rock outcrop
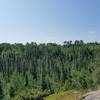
[95,95]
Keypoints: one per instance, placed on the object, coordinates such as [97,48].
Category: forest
[32,71]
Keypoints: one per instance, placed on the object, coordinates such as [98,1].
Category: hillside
[34,70]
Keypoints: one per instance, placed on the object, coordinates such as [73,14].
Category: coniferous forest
[31,71]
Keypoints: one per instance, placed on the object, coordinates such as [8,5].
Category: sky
[49,20]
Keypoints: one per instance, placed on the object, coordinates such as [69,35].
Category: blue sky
[49,20]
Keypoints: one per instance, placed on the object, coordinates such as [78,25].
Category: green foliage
[27,69]
[17,81]
[1,91]
[30,94]
[11,92]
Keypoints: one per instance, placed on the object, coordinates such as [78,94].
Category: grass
[68,95]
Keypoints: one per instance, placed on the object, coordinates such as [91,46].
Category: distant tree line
[32,70]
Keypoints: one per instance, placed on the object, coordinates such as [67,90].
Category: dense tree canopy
[47,67]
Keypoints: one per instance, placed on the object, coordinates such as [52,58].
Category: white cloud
[91,32]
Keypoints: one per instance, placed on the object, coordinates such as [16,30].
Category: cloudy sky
[49,20]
